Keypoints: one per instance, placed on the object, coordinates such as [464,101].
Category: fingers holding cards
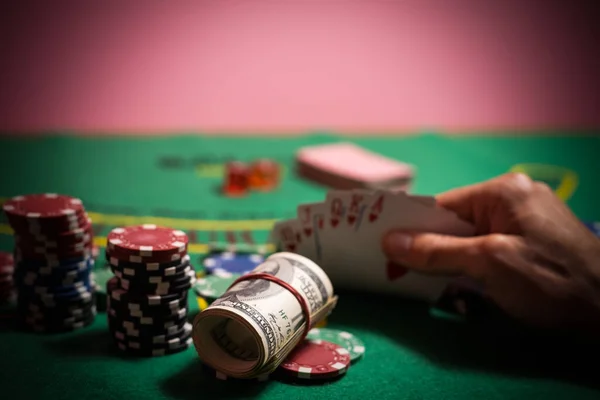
[343,235]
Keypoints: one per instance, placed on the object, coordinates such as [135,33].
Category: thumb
[442,254]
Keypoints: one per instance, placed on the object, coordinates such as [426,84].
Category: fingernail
[397,243]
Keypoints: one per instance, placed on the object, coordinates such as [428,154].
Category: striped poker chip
[40,206]
[355,346]
[135,268]
[147,241]
[316,359]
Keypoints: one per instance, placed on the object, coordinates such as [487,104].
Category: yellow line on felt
[568,178]
[198,225]
[100,241]
[190,224]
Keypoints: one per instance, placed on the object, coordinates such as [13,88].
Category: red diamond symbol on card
[307,231]
[351,219]
[395,271]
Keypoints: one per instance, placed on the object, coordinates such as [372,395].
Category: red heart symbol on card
[307,231]
[395,271]
[291,247]
[335,222]
[373,217]
[351,219]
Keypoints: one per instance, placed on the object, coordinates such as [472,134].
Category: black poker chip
[163,309]
[127,349]
[117,293]
[174,332]
[145,267]
[157,319]
[56,326]
[137,329]
[143,274]
[181,284]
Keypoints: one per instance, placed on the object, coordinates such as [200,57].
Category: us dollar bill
[249,331]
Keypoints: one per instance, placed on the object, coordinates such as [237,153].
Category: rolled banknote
[250,330]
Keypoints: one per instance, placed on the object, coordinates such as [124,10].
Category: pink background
[272,66]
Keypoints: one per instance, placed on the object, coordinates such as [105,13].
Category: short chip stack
[53,262]
[147,299]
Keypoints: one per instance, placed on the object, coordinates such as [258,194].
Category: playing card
[370,270]
[311,219]
[286,235]
[334,230]
[428,201]
[357,204]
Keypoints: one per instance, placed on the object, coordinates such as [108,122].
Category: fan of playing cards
[343,235]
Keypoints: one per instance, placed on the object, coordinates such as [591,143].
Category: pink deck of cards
[349,164]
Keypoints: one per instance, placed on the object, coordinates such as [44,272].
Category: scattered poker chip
[355,346]
[234,263]
[53,279]
[316,359]
[212,287]
[147,241]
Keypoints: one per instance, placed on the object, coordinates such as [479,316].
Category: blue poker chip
[594,227]
[232,263]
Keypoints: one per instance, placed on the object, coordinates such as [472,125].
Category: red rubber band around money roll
[285,285]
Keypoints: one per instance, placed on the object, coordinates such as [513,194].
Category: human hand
[531,255]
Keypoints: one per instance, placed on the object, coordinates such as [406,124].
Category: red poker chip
[47,229]
[63,239]
[316,359]
[147,241]
[74,234]
[41,206]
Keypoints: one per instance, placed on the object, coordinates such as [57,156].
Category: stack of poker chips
[147,299]
[53,262]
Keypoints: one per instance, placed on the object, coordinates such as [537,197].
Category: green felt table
[175,181]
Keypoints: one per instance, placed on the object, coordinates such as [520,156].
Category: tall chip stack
[147,299]
[53,262]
